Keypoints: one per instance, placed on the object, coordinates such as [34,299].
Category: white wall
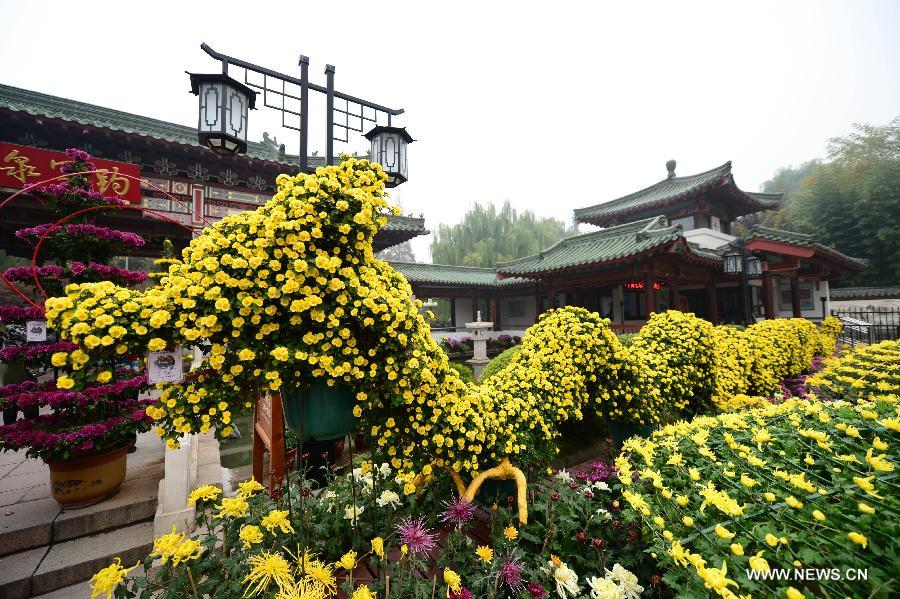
[464,311]
[819,289]
[521,322]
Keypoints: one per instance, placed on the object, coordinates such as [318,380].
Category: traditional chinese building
[661,247]
[658,248]
[35,128]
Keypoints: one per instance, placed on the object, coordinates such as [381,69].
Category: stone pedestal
[193,464]
[479,331]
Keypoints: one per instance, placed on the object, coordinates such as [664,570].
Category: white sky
[552,105]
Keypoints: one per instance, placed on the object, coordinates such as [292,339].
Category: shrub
[860,373]
[679,350]
[500,362]
[802,484]
[465,373]
[626,339]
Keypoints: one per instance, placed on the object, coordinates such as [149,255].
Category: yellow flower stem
[193,586]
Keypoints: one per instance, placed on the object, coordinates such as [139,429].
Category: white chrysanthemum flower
[627,581]
[353,512]
[604,588]
[388,497]
[564,476]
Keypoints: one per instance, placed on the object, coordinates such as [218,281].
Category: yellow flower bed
[803,484]
[292,293]
[860,372]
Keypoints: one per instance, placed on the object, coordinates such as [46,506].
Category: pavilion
[660,248]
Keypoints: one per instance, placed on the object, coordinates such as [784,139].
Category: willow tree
[487,236]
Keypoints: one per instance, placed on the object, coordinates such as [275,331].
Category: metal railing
[868,325]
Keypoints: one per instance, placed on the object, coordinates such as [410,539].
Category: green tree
[851,202]
[487,236]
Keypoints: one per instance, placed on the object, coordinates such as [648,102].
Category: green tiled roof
[863,293]
[54,107]
[803,240]
[445,274]
[669,191]
[411,224]
[606,245]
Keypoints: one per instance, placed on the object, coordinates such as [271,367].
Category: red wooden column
[795,297]
[712,300]
[768,303]
[649,294]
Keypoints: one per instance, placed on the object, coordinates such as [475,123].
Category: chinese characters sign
[24,165]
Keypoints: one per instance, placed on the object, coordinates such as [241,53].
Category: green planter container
[318,411]
[620,432]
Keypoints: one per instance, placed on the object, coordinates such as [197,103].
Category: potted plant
[87,391]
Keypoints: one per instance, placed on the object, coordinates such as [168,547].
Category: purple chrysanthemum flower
[536,590]
[416,536]
[511,573]
[458,512]
[463,593]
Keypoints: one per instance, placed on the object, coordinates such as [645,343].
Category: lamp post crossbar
[293,102]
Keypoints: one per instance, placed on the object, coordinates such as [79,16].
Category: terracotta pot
[85,480]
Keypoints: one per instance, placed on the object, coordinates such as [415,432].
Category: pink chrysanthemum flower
[416,536]
[511,573]
[458,512]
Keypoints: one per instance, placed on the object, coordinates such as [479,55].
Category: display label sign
[165,366]
[25,165]
[35,330]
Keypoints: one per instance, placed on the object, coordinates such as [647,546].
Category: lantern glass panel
[733,263]
[211,97]
[236,107]
[754,268]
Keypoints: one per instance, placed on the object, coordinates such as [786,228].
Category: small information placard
[165,366]
[35,330]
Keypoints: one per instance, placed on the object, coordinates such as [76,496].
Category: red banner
[24,165]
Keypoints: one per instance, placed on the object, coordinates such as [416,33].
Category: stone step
[135,502]
[77,560]
[42,521]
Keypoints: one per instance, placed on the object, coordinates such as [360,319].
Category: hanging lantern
[733,263]
[754,267]
[389,150]
[224,104]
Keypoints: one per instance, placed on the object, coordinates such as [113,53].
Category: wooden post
[495,312]
[268,434]
[795,297]
[649,294]
[712,301]
[768,302]
[674,293]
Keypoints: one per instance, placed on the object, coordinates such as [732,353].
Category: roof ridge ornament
[670,167]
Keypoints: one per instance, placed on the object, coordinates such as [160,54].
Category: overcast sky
[552,105]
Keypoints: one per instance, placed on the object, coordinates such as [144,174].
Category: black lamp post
[743,262]
[224,103]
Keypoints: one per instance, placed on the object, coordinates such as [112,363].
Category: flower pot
[621,432]
[85,480]
[318,411]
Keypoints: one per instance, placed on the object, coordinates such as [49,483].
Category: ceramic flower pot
[319,412]
[85,480]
